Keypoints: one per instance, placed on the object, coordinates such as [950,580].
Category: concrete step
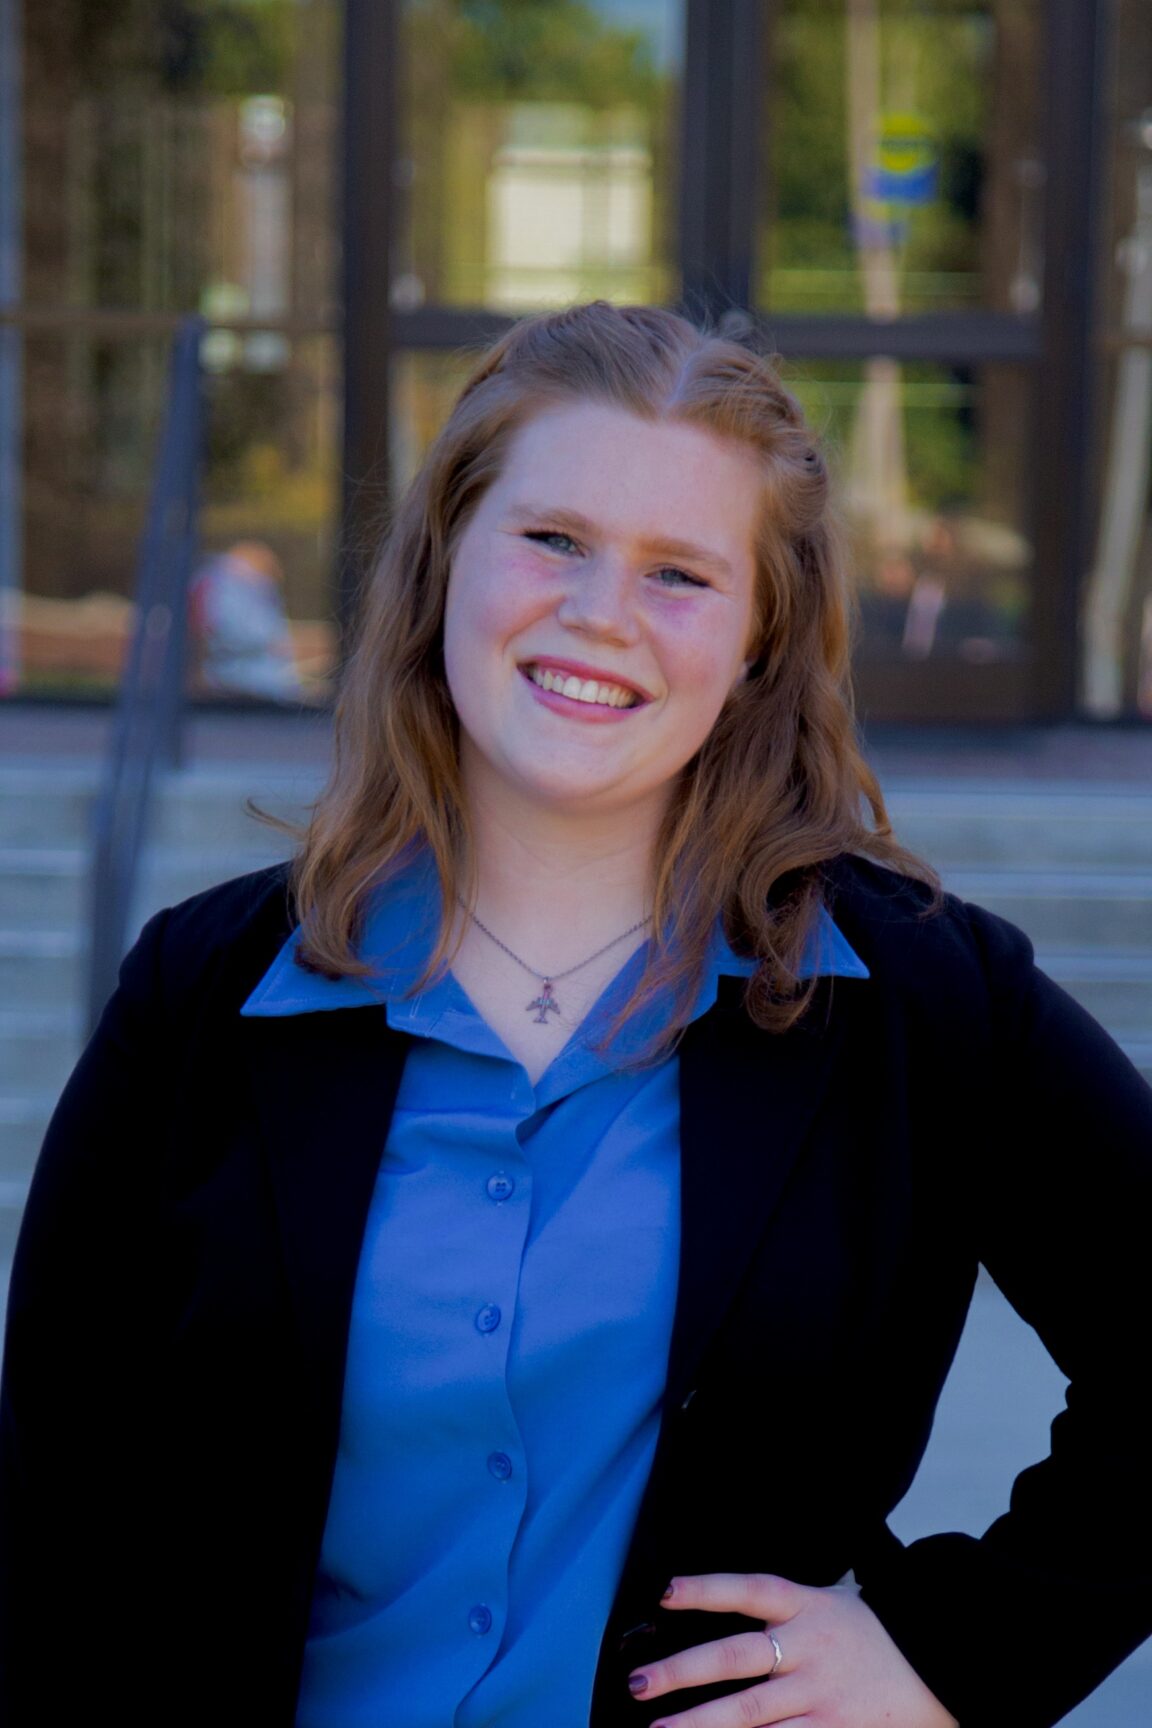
[170,875]
[43,887]
[47,804]
[38,1049]
[1021,825]
[1139,1053]
[41,968]
[1115,988]
[23,1118]
[53,805]
[206,807]
[965,824]
[1062,909]
[46,888]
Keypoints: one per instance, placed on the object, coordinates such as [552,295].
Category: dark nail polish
[671,1591]
[637,1683]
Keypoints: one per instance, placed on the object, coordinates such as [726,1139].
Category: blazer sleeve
[73,1392]
[1014,1628]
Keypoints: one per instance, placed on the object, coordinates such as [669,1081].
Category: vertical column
[370,81]
[11,275]
[720,150]
[1061,480]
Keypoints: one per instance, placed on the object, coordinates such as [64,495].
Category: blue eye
[548,534]
[682,575]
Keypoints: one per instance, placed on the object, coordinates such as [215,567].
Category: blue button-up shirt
[508,1346]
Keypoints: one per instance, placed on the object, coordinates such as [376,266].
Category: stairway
[200,836]
[1069,862]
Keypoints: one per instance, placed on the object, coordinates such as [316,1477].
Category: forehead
[648,477]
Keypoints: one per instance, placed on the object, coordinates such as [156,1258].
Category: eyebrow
[522,514]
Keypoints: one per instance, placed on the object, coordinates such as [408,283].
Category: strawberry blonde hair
[779,786]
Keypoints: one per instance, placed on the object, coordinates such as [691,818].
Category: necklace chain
[546,1001]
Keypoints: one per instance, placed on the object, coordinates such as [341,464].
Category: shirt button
[488,1318]
[500,1187]
[500,1465]
[480,1618]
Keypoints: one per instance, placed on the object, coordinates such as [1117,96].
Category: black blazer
[180,1303]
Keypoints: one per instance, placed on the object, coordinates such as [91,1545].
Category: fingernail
[637,1683]
[671,1591]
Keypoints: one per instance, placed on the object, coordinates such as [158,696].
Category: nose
[599,602]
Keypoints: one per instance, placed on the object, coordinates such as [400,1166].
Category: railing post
[148,725]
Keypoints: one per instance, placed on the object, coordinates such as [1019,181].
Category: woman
[501,1267]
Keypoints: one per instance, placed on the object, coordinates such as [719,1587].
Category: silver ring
[768,1632]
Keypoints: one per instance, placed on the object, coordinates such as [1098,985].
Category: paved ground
[993,1419]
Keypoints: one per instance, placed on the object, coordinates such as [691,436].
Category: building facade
[938,211]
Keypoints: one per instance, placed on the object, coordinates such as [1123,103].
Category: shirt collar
[400,930]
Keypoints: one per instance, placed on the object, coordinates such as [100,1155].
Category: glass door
[905,180]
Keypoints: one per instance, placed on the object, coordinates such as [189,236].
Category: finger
[738,1658]
[762,1706]
[760,1595]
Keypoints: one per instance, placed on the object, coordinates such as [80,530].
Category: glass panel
[930,467]
[179,158]
[424,389]
[269,524]
[904,172]
[174,159]
[538,152]
[1116,641]
[270,508]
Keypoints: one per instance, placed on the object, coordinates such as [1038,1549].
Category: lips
[584,683]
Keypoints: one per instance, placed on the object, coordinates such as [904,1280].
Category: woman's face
[613,560]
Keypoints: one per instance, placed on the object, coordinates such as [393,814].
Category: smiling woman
[618,499]
[499,1265]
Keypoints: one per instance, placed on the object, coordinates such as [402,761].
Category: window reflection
[1116,634]
[904,172]
[932,501]
[537,162]
[174,159]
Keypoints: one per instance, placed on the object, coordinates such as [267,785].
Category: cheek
[492,603]
[704,661]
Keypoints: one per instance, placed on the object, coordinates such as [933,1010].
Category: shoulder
[943,950]
[215,945]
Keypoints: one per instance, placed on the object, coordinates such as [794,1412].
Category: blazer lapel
[325,1086]
[747,1101]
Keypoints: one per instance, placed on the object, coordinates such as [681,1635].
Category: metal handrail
[147,730]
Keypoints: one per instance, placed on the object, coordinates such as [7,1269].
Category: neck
[560,882]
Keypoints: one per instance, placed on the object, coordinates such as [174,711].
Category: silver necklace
[540,1006]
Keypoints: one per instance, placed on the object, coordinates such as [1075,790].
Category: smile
[590,690]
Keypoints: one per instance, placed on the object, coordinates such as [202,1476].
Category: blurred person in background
[499,1266]
[241,637]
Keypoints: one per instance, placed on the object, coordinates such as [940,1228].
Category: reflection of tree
[466,65]
[935,60]
[549,50]
[877,480]
[130,148]
[969,68]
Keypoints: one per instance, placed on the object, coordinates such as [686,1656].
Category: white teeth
[582,690]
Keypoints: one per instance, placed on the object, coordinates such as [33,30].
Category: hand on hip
[825,1658]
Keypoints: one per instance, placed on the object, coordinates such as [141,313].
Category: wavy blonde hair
[778,788]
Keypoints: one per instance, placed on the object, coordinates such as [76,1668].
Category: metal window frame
[722,158]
